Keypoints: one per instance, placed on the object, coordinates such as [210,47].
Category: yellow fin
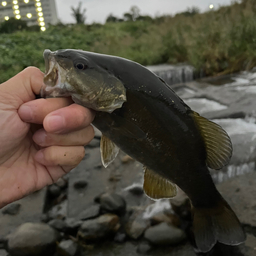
[108,150]
[217,142]
[157,187]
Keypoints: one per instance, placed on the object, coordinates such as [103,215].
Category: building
[35,12]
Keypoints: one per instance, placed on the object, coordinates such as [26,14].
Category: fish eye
[80,66]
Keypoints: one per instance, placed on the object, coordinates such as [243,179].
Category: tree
[133,14]
[111,18]
[79,14]
[12,25]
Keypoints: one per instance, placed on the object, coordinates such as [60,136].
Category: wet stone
[89,213]
[99,228]
[164,234]
[11,209]
[33,239]
[59,225]
[144,247]
[112,203]
[54,190]
[67,248]
[80,184]
[120,237]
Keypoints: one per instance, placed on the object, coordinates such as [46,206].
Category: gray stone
[164,234]
[89,213]
[94,143]
[112,203]
[11,209]
[33,239]
[240,194]
[3,252]
[61,182]
[54,190]
[120,237]
[30,211]
[67,248]
[59,225]
[144,247]
[137,225]
[99,228]
[58,211]
[73,224]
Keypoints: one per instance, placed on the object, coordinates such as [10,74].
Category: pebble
[33,239]
[11,209]
[89,213]
[54,190]
[99,228]
[3,253]
[61,182]
[164,234]
[144,247]
[59,225]
[67,248]
[120,237]
[111,202]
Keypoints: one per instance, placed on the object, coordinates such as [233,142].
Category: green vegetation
[215,42]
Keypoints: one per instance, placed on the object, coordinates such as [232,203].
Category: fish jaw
[95,88]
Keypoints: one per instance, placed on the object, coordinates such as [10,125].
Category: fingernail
[39,138]
[25,113]
[39,157]
[55,123]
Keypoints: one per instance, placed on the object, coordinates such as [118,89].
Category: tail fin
[218,224]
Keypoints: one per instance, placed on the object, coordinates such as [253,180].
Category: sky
[98,10]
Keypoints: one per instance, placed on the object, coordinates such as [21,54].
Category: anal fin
[108,150]
[157,187]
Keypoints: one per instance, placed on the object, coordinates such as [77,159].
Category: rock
[120,237]
[113,203]
[3,252]
[61,182]
[59,225]
[164,234]
[58,211]
[99,228]
[80,184]
[169,218]
[89,213]
[136,190]
[33,239]
[126,159]
[240,193]
[11,209]
[54,190]
[67,248]
[45,218]
[136,225]
[72,225]
[144,247]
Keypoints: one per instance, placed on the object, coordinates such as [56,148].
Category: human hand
[41,139]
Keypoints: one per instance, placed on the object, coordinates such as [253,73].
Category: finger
[71,118]
[60,156]
[77,138]
[25,84]
[36,110]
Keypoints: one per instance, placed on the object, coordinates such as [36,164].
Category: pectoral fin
[217,142]
[157,187]
[108,151]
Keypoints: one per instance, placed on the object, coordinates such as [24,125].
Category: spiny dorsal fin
[217,142]
[108,151]
[157,187]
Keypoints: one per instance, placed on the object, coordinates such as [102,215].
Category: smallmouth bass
[139,113]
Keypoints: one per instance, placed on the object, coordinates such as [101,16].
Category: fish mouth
[53,86]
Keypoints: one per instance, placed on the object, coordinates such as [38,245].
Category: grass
[216,42]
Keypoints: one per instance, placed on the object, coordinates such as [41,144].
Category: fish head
[74,73]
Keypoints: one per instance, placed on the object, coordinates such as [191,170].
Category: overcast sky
[98,10]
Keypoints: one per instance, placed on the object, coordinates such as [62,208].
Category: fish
[137,112]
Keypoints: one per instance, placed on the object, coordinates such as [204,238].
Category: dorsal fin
[217,142]
[157,187]
[108,150]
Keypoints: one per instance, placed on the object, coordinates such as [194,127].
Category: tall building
[35,12]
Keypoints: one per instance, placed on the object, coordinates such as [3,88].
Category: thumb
[25,85]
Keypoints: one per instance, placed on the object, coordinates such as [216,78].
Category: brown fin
[108,150]
[217,142]
[219,224]
[157,187]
